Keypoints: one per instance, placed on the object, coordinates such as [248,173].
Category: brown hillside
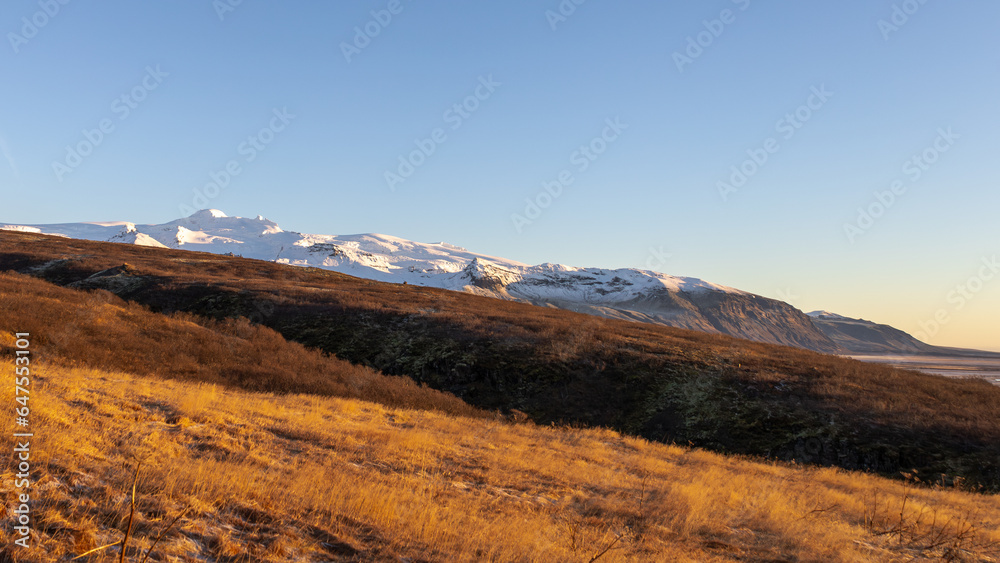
[665,384]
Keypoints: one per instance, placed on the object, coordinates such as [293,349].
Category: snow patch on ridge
[20,228]
[828,315]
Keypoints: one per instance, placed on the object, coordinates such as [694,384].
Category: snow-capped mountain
[632,294]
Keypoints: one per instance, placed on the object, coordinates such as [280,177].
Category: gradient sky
[650,200]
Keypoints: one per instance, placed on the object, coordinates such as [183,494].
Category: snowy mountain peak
[478,266]
[126,234]
[129,234]
[208,213]
[212,223]
[486,275]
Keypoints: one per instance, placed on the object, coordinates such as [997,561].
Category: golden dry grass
[307,478]
[661,383]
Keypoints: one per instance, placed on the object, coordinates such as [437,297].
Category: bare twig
[618,538]
[902,508]
[642,494]
[96,549]
[131,515]
[163,533]
[819,509]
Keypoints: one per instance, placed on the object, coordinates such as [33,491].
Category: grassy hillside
[664,384]
[260,477]
[99,330]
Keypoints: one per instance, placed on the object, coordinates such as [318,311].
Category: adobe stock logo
[365,34]
[901,14]
[249,150]
[583,157]
[223,7]
[787,127]
[698,43]
[564,10]
[914,169]
[959,297]
[455,116]
[31,26]
[122,106]
[657,259]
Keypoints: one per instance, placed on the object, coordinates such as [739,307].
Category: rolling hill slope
[666,384]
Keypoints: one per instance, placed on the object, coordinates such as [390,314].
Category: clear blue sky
[656,185]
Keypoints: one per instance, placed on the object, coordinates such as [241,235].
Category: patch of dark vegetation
[662,383]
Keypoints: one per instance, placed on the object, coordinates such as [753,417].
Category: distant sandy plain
[987,368]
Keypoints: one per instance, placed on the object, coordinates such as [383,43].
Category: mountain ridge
[624,293]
